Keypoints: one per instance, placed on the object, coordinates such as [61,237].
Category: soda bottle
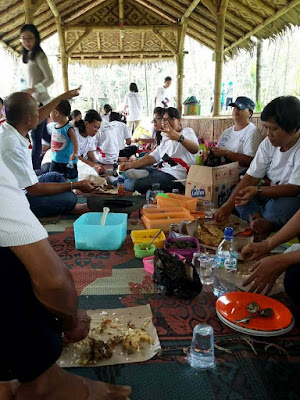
[226,264]
[120,185]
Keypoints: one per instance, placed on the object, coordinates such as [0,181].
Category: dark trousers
[128,151]
[30,335]
[36,136]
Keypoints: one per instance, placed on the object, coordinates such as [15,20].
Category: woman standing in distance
[39,77]
[133,107]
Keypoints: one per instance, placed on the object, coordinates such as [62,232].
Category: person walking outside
[133,107]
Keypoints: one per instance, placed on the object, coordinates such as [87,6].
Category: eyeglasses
[167,119]
[155,120]
[28,40]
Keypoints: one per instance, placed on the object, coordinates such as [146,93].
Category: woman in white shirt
[133,107]
[172,158]
[39,78]
[278,158]
[240,142]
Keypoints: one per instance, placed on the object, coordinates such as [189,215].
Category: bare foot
[80,209]
[58,384]
[262,228]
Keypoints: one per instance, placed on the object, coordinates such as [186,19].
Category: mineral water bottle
[226,265]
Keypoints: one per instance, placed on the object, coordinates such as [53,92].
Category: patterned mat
[247,368]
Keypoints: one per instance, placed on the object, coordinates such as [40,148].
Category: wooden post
[62,44]
[180,64]
[28,8]
[219,55]
[258,71]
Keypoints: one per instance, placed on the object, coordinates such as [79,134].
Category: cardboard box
[212,183]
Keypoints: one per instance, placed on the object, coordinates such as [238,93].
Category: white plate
[254,332]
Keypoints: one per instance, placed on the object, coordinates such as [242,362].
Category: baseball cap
[243,103]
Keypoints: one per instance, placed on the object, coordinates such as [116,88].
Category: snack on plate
[209,234]
[133,339]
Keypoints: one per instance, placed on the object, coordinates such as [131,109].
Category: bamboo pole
[258,70]
[247,10]
[125,59]
[133,28]
[121,22]
[165,41]
[219,56]
[180,64]
[124,53]
[62,44]
[77,43]
[84,11]
[28,8]
[267,22]
[191,8]
[209,4]
[157,10]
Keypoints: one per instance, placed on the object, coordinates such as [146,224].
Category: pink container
[149,263]
[187,253]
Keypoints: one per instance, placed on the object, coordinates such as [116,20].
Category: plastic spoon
[158,233]
[104,215]
[265,313]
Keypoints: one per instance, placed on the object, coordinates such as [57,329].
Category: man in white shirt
[164,95]
[39,303]
[50,193]
[173,157]
[278,158]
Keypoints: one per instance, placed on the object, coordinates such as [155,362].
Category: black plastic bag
[174,276]
[212,160]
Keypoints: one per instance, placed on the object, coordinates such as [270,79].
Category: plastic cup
[202,348]
[207,269]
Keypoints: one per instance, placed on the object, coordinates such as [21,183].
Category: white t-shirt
[107,145]
[281,168]
[85,144]
[245,141]
[134,102]
[175,150]
[18,225]
[15,152]
[164,95]
[105,118]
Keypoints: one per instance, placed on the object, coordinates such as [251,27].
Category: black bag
[174,276]
[212,160]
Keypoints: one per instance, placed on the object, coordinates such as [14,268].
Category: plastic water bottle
[226,265]
[115,169]
[202,349]
[121,186]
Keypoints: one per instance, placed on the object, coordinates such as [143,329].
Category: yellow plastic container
[177,200]
[146,235]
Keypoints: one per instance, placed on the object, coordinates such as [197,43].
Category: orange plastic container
[159,210]
[145,236]
[164,220]
[177,200]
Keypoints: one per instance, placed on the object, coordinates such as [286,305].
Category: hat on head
[243,103]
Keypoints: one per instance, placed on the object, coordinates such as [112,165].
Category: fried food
[134,337]
[209,234]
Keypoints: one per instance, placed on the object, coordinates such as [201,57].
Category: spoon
[106,210]
[158,233]
[265,313]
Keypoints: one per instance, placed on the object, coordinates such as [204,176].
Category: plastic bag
[175,276]
[212,160]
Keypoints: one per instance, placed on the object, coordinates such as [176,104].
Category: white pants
[132,125]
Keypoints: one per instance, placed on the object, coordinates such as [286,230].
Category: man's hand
[125,166]
[71,93]
[98,168]
[81,330]
[85,186]
[220,151]
[222,214]
[264,274]
[254,251]
[245,195]
[72,157]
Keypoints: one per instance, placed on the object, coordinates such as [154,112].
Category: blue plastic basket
[90,235]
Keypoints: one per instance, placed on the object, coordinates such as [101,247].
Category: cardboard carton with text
[212,183]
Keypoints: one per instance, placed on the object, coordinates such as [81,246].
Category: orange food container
[177,200]
[163,220]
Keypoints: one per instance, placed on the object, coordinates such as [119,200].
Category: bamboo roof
[101,30]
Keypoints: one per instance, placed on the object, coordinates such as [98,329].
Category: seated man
[240,142]
[50,193]
[278,158]
[173,157]
[41,306]
[268,269]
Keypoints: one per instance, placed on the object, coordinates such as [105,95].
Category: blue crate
[90,235]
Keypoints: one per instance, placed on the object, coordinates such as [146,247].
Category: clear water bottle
[115,169]
[226,265]
[202,349]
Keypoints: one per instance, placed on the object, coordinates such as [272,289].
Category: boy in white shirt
[164,95]
[278,158]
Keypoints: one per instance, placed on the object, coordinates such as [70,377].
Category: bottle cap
[228,232]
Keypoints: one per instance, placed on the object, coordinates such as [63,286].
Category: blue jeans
[276,211]
[36,136]
[155,176]
[61,203]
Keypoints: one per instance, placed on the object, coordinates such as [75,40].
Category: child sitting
[64,145]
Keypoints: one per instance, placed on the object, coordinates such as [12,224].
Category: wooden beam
[110,28]
[10,11]
[62,43]
[267,22]
[142,40]
[210,5]
[125,59]
[201,37]
[200,40]
[28,8]
[219,56]
[77,42]
[165,41]
[123,53]
[121,22]
[157,10]
[180,63]
[247,10]
[191,8]
[84,11]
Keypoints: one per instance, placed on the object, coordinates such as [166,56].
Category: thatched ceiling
[151,27]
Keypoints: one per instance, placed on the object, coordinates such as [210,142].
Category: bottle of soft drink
[226,264]
[121,186]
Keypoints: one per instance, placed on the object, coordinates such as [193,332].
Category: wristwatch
[259,191]
[181,139]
